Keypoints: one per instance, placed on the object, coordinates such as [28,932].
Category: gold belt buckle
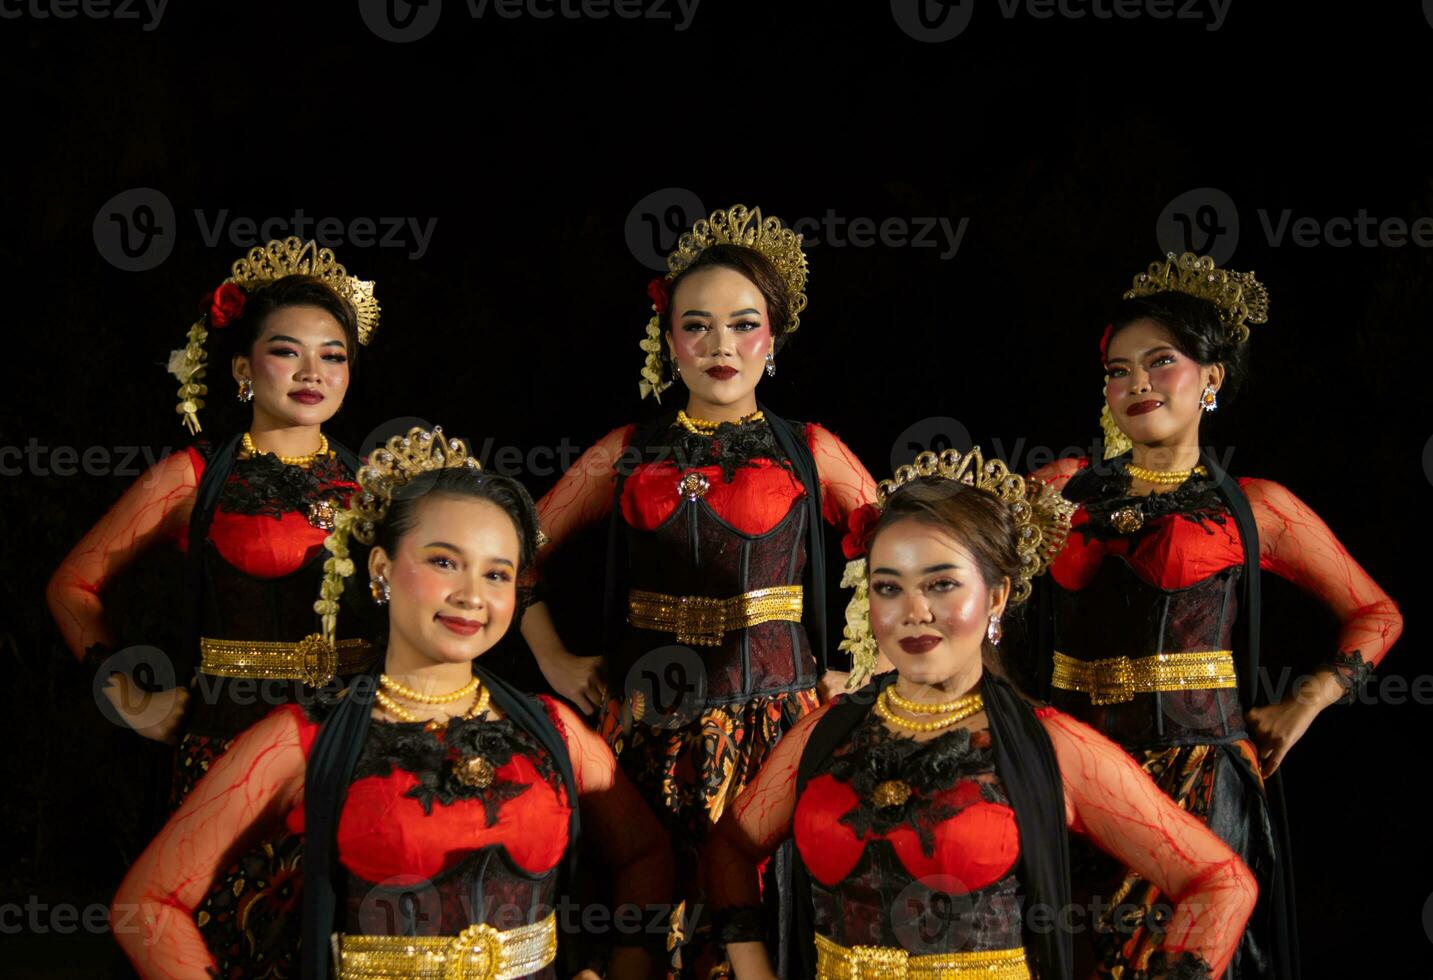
[318,660]
[701,620]
[1112,681]
[474,954]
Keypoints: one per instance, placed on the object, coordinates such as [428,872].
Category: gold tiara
[1040,514]
[262,265]
[389,467]
[1240,298]
[737,225]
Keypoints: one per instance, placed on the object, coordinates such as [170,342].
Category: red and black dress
[1147,586]
[947,856]
[454,838]
[253,532]
[698,519]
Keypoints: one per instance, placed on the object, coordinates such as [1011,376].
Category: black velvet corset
[1119,614]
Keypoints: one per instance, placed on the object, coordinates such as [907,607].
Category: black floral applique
[732,445]
[263,485]
[877,757]
[1196,500]
[438,763]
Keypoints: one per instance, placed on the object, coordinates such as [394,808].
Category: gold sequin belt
[1118,679]
[837,962]
[704,621]
[310,660]
[477,953]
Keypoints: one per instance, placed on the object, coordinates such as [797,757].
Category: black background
[531,141]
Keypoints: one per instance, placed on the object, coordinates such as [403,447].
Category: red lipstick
[1140,408]
[459,625]
[920,644]
[307,396]
[721,373]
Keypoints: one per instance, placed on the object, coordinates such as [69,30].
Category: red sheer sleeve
[154,508]
[756,823]
[631,841]
[584,493]
[1058,473]
[1113,802]
[845,483]
[244,795]
[1295,544]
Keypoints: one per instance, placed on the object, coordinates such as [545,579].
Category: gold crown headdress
[737,225]
[389,467]
[1240,299]
[1041,518]
[263,265]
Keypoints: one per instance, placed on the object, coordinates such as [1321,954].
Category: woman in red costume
[930,809]
[438,805]
[252,513]
[1156,601]
[715,539]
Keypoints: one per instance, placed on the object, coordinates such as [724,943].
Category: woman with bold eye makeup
[1155,600]
[715,544]
[931,809]
[251,511]
[439,806]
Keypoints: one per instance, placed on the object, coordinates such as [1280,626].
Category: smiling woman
[715,538]
[1155,600]
[439,806]
[930,810]
[252,513]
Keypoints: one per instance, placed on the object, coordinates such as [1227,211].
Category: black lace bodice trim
[263,485]
[732,445]
[1183,965]
[436,762]
[1196,500]
[875,755]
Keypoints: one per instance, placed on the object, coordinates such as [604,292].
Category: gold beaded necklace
[1164,477]
[960,709]
[388,704]
[922,708]
[322,450]
[703,427]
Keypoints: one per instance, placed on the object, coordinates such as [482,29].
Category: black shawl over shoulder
[330,770]
[1025,761]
